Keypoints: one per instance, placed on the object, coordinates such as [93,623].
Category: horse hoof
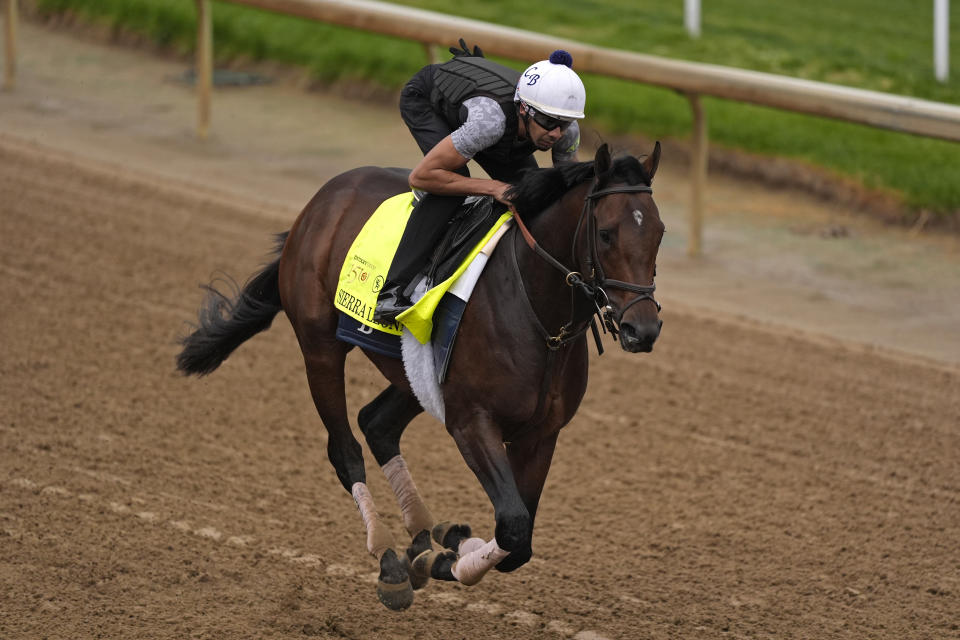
[395,597]
[449,535]
[421,543]
[393,586]
[435,564]
[515,560]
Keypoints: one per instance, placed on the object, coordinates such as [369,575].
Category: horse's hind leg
[383,422]
[324,363]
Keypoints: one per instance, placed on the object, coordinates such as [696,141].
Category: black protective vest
[468,77]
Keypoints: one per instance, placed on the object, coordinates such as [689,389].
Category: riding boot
[425,228]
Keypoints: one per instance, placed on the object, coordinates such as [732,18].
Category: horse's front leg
[530,460]
[481,444]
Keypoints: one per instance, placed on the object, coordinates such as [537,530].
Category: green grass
[881,45]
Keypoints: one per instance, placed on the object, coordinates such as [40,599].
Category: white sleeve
[484,127]
[565,149]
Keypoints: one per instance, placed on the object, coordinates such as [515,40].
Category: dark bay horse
[519,370]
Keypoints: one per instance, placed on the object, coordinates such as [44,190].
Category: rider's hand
[500,192]
[465,51]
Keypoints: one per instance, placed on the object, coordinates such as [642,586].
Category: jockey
[473,108]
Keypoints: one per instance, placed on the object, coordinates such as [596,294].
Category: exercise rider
[473,108]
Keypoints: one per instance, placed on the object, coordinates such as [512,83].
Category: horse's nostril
[647,334]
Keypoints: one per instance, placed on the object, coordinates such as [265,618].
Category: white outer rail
[876,109]
[887,111]
[10,44]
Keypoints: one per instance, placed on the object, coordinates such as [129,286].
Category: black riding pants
[428,221]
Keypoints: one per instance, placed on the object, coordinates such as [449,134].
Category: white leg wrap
[379,538]
[416,516]
[470,544]
[471,568]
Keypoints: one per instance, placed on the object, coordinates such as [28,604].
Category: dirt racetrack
[744,480]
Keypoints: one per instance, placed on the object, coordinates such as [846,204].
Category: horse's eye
[605,236]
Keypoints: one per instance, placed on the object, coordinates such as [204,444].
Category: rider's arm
[483,126]
[436,173]
[565,149]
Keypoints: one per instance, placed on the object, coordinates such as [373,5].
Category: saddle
[440,289]
[466,228]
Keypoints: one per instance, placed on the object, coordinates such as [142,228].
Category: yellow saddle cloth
[365,270]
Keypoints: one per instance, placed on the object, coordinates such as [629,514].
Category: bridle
[589,296]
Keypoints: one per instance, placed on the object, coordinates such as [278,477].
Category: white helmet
[552,87]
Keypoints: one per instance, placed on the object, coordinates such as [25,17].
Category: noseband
[594,289]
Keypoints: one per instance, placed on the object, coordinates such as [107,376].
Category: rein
[594,290]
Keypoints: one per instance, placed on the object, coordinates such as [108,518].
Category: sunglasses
[548,123]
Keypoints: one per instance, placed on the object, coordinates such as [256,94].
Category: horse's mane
[539,188]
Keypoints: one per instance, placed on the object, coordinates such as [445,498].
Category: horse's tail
[227,322]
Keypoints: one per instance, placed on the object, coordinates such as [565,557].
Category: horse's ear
[652,161]
[601,163]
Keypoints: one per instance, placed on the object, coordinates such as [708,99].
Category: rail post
[698,170]
[885,111]
[10,45]
[433,53]
[204,67]
[941,39]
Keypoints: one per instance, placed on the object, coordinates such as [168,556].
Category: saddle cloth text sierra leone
[365,270]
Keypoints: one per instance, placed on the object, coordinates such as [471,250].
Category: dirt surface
[782,466]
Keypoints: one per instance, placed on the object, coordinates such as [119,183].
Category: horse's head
[623,231]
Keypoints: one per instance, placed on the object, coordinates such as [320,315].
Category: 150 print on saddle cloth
[436,312]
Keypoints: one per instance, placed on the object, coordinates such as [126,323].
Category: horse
[525,327]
